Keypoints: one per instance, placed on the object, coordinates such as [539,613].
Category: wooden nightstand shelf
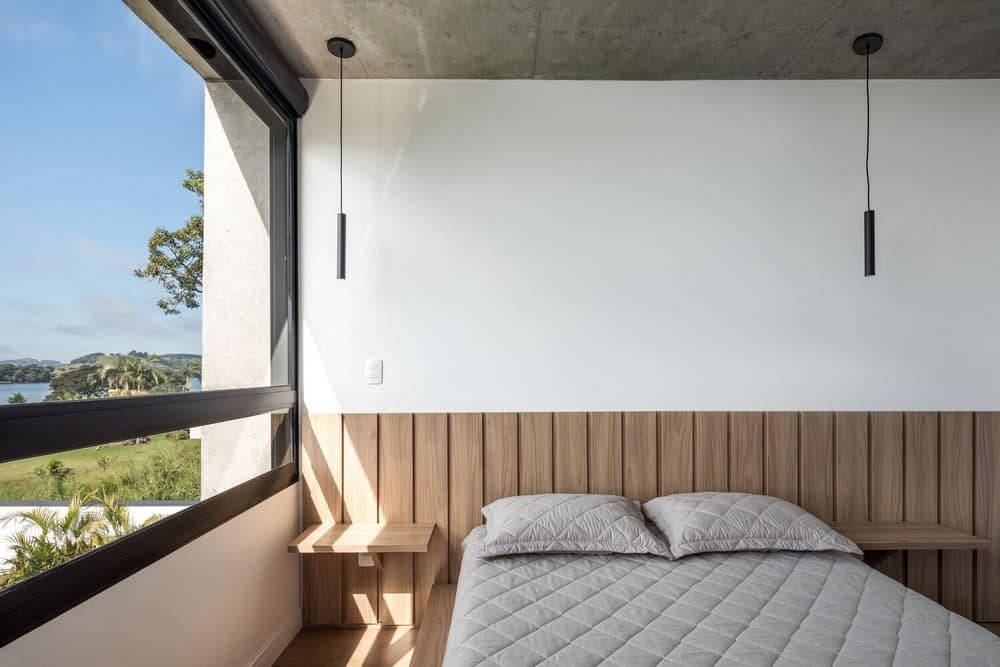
[908,536]
[368,540]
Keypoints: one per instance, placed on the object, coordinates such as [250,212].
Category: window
[147,362]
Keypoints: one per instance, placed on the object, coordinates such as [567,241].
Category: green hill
[28,361]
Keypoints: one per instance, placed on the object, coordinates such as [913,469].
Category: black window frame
[250,60]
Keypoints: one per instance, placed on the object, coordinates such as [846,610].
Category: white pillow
[567,523]
[700,522]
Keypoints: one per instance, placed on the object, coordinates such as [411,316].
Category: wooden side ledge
[433,636]
[363,538]
[908,536]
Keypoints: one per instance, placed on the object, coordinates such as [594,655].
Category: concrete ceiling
[636,39]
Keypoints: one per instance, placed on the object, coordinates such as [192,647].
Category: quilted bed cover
[743,608]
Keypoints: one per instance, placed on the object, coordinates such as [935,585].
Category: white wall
[212,603]
[541,245]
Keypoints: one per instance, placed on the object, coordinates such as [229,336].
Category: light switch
[373,371]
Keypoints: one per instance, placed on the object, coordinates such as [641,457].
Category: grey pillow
[701,522]
[567,523]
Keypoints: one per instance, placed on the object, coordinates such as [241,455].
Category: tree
[129,375]
[190,369]
[175,257]
[18,397]
[27,373]
[78,383]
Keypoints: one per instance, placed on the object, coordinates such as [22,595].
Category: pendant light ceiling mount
[341,47]
[868,43]
[865,45]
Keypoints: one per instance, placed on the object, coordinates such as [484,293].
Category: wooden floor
[350,647]
[377,646]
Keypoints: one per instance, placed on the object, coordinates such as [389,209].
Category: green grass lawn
[163,469]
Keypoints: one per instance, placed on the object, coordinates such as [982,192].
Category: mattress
[745,608]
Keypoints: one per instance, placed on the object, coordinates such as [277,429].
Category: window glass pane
[136,194]
[123,485]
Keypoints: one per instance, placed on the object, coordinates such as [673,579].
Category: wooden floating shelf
[363,538]
[908,536]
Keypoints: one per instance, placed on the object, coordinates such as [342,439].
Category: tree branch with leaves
[176,257]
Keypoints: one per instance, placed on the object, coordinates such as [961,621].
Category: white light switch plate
[373,371]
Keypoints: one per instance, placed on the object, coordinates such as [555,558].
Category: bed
[740,608]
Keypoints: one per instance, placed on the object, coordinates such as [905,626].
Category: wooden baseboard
[433,636]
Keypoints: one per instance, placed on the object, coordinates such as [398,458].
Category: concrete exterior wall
[236,311]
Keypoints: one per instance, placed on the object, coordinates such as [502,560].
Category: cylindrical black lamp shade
[869,243]
[342,245]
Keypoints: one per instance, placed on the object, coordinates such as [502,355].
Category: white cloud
[119,315]
[18,28]
[105,254]
[23,306]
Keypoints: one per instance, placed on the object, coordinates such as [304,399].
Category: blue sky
[98,121]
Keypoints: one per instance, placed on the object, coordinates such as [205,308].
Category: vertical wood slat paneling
[956,495]
[816,463]
[360,506]
[500,460]
[887,482]
[746,452]
[604,437]
[921,485]
[430,505]
[322,478]
[987,515]
[845,466]
[781,455]
[535,453]
[639,455]
[465,484]
[569,452]
[711,451]
[851,466]
[395,473]
[676,452]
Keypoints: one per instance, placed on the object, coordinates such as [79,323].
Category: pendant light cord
[341,133]
[868,129]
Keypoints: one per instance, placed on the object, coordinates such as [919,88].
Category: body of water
[35,392]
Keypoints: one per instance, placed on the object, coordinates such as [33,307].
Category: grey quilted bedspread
[745,608]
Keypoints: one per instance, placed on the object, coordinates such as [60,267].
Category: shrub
[50,539]
[56,474]
[106,462]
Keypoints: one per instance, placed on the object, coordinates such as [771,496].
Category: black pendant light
[865,45]
[342,48]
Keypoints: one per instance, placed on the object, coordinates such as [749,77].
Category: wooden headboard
[442,468]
